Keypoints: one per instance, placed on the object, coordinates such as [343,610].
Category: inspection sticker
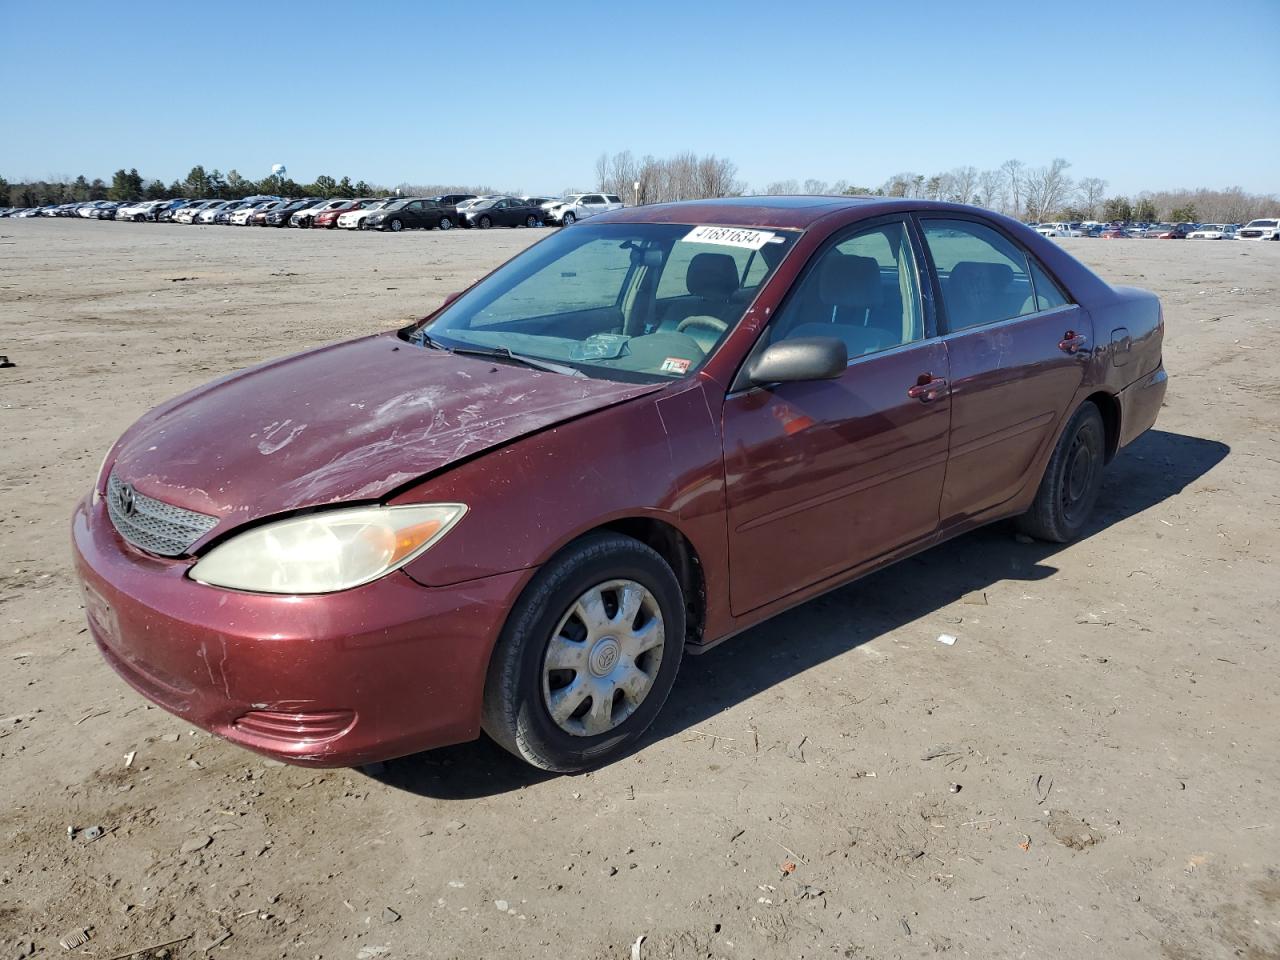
[729,237]
[675,365]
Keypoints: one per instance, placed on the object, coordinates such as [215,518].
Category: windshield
[640,302]
[1262,223]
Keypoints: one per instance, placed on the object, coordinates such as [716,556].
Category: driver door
[824,476]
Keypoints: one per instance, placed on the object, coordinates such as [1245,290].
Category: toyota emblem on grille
[124,500]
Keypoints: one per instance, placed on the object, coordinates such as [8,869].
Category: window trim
[919,218]
[741,384]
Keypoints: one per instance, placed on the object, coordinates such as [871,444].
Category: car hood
[355,421]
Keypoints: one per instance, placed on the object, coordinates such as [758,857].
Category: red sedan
[635,439]
[328,218]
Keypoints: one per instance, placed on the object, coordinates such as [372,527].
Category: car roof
[795,212]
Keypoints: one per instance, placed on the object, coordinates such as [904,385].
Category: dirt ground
[1090,770]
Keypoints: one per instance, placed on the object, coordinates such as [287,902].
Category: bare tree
[1092,191]
[990,186]
[1047,188]
[1013,173]
[782,187]
[962,184]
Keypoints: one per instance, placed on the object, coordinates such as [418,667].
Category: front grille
[153,525]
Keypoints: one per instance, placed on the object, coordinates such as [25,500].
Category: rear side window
[1048,294]
[983,275]
[612,199]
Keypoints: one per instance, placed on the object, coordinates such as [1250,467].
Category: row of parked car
[1267,229]
[356,213]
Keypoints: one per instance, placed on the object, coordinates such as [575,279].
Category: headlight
[98,484]
[326,552]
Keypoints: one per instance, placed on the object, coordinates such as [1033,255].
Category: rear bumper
[381,671]
[1140,404]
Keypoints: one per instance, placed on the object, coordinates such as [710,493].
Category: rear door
[1018,350]
[824,476]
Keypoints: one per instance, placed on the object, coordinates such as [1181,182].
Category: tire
[1071,481]
[396,225]
[531,221]
[362,224]
[446,223]
[484,223]
[567,220]
[518,689]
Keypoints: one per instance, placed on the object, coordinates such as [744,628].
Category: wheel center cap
[604,656]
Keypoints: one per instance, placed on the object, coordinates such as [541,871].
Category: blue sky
[526,96]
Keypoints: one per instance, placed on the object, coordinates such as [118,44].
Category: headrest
[713,276]
[845,280]
[981,277]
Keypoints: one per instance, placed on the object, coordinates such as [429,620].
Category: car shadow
[1157,466]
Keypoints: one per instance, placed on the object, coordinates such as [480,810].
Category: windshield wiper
[421,339]
[503,353]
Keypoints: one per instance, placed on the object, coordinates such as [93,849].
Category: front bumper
[381,671]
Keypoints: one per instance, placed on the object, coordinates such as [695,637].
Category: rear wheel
[588,655]
[1071,481]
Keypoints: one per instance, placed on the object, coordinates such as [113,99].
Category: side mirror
[804,358]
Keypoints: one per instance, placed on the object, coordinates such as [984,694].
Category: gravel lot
[1108,712]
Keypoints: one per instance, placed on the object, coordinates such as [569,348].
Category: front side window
[588,298]
[983,275]
[863,290]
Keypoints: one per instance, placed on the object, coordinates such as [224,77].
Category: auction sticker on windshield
[729,237]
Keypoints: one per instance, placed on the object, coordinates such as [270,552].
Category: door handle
[928,388]
[1074,343]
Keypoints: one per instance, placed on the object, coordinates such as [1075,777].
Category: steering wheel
[709,323]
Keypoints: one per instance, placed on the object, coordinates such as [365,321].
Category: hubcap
[1078,476]
[603,658]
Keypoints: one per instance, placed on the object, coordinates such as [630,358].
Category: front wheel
[1071,481]
[531,221]
[446,223]
[567,219]
[588,655]
[485,223]
[396,225]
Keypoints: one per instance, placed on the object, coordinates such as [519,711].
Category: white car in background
[579,206]
[188,214]
[1268,229]
[209,212]
[136,211]
[1058,230]
[87,210]
[1213,231]
[354,219]
[241,217]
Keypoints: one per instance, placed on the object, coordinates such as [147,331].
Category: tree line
[1024,192]
[199,184]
